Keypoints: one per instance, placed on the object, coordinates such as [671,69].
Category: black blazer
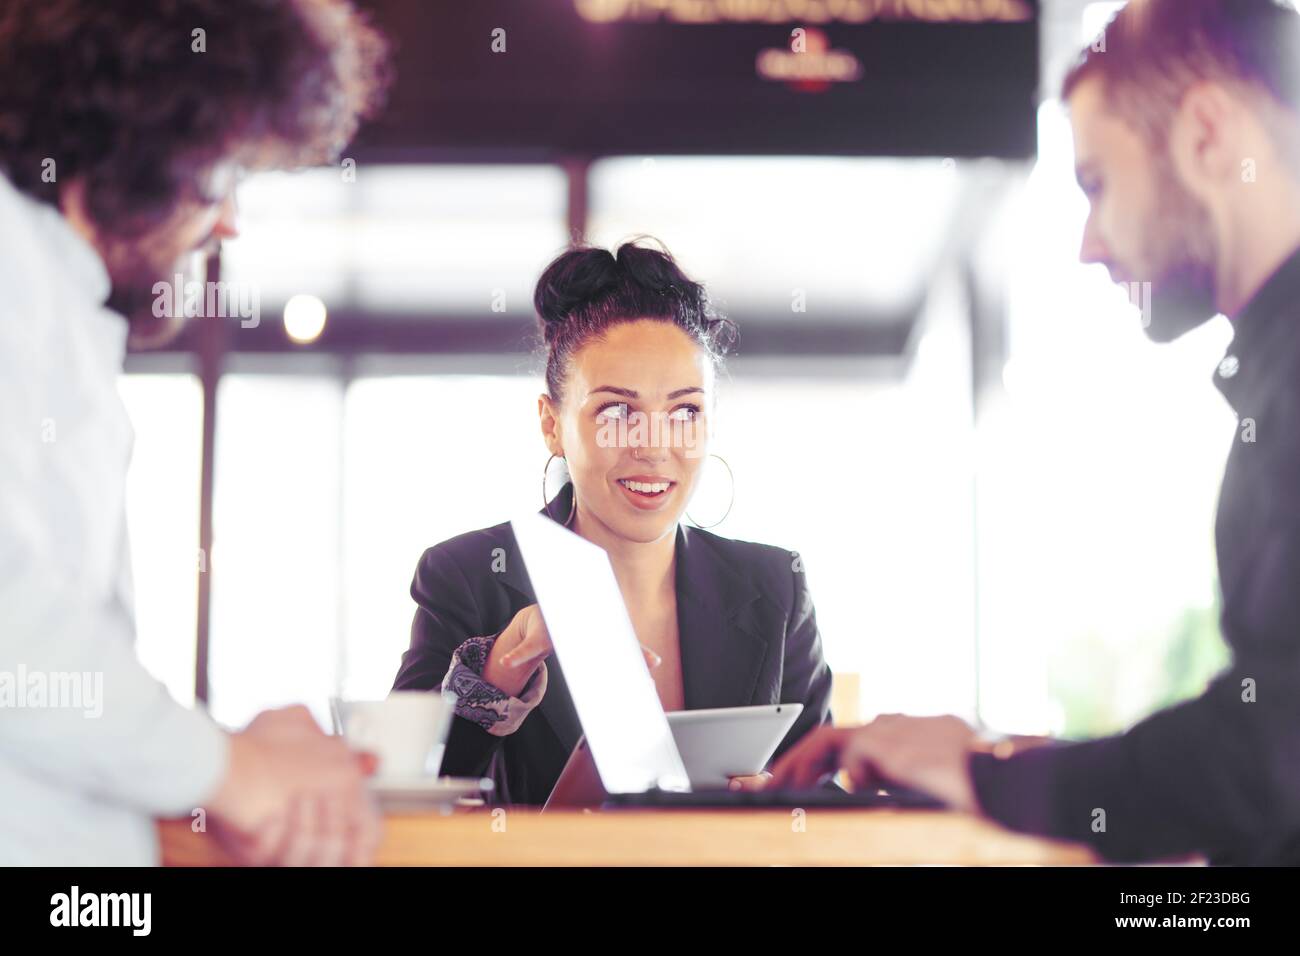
[746,626]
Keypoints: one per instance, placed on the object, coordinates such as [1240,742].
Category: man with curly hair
[124,127]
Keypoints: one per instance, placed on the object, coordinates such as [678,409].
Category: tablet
[709,740]
[727,742]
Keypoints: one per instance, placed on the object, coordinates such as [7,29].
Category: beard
[1182,249]
[135,272]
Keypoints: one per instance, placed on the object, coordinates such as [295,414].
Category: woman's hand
[522,647]
[518,651]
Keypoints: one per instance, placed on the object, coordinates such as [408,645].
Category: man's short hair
[1154,50]
[140,97]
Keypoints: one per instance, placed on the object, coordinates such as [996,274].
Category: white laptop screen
[611,686]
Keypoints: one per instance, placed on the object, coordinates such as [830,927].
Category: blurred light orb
[304,318]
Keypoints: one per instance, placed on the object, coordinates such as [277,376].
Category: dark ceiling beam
[354,333]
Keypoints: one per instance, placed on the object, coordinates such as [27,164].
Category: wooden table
[680,838]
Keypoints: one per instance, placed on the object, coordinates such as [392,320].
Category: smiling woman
[632,350]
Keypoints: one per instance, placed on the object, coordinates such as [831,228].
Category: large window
[855,236]
[163,522]
[277,585]
[410,240]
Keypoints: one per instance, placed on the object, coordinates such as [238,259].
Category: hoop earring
[732,476]
[546,505]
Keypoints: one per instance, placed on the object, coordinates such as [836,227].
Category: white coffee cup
[406,731]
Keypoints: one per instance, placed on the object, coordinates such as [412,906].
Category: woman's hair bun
[587,289]
[655,269]
[637,280]
[576,278]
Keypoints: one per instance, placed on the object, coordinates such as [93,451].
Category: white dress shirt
[82,772]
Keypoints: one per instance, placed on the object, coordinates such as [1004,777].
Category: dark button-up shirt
[1220,774]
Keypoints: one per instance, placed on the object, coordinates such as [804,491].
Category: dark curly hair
[586,290]
[116,92]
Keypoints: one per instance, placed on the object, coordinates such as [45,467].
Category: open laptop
[624,724]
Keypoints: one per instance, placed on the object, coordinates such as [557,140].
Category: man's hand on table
[755,781]
[923,753]
[295,796]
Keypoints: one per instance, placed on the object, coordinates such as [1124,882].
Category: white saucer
[427,793]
